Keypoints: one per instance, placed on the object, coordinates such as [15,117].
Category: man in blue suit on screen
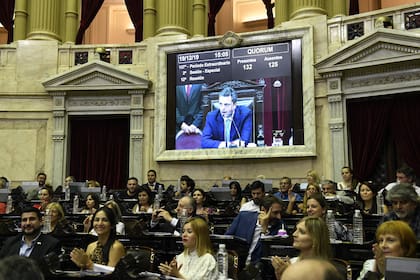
[230,126]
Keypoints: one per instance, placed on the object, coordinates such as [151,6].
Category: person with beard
[405,206]
[162,220]
[251,225]
[31,242]
[257,193]
[132,189]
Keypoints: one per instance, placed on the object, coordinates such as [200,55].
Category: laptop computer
[30,188]
[268,185]
[221,194]
[85,191]
[402,268]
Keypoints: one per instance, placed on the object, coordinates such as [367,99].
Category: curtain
[269,8]
[354,7]
[214,8]
[405,129]
[89,10]
[135,10]
[7,10]
[99,150]
[368,122]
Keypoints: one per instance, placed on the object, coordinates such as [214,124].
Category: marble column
[199,18]
[336,124]
[136,133]
[149,18]
[44,21]
[71,20]
[21,20]
[172,17]
[336,8]
[58,136]
[281,11]
[306,8]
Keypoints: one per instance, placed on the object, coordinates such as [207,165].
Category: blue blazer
[244,225]
[213,132]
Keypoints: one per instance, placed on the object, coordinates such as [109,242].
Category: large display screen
[248,96]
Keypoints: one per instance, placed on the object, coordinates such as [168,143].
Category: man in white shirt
[404,174]
[257,193]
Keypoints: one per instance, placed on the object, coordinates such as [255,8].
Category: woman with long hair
[91,204]
[196,261]
[349,183]
[311,239]
[107,250]
[366,198]
[394,239]
[311,189]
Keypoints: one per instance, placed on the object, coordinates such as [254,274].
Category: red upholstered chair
[185,141]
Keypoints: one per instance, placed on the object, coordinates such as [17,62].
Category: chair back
[233,264]
[138,259]
[343,267]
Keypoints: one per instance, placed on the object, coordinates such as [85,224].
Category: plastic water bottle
[156,202]
[76,204]
[331,225]
[183,218]
[103,193]
[222,262]
[357,227]
[380,204]
[9,205]
[46,228]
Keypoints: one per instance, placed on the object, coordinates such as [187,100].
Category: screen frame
[305,34]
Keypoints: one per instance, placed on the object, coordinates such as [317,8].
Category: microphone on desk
[237,131]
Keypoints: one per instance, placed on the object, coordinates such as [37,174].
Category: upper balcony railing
[344,29]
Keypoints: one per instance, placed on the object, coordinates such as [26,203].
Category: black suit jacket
[156,188]
[43,246]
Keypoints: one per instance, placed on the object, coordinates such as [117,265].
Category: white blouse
[197,268]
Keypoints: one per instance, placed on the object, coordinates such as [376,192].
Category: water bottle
[380,204]
[160,191]
[222,261]
[9,205]
[156,203]
[46,228]
[67,193]
[103,193]
[183,218]
[331,225]
[357,227]
[76,204]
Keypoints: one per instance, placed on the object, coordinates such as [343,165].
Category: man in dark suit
[151,181]
[189,109]
[31,242]
[230,125]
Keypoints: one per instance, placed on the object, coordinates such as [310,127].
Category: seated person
[285,193]
[107,251]
[311,239]
[162,221]
[317,207]
[405,206]
[251,225]
[59,224]
[236,119]
[200,199]
[236,193]
[145,200]
[132,189]
[30,242]
[186,185]
[91,204]
[197,260]
[152,183]
[257,194]
[394,239]
[45,195]
[329,189]
[120,227]
[349,183]
[366,198]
